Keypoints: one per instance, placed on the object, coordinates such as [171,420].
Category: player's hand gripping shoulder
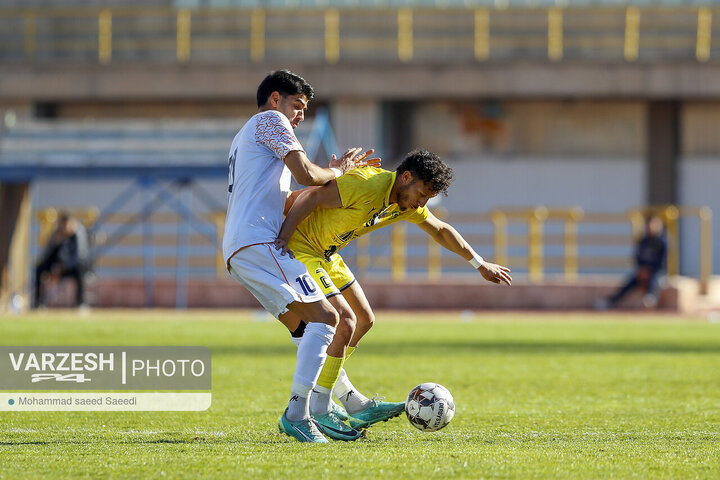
[353,158]
[495,273]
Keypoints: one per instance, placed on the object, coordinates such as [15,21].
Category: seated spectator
[66,255]
[649,262]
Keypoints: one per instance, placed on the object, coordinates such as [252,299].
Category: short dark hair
[285,82]
[429,168]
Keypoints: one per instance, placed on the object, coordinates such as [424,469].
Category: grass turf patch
[537,396]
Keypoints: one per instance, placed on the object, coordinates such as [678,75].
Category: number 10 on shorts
[306,283]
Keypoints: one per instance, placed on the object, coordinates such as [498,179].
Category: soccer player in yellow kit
[321,222]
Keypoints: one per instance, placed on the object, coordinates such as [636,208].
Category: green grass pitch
[537,395]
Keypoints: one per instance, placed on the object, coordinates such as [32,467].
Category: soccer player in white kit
[263,155]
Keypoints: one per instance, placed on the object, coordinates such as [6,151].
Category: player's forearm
[301,209]
[451,239]
[305,172]
[319,176]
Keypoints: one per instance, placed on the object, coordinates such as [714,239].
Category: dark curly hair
[285,82]
[428,167]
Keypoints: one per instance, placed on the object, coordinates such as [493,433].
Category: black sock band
[298,332]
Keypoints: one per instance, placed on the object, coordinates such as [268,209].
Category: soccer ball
[430,407]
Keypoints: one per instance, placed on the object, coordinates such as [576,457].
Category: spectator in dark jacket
[66,254]
[649,261]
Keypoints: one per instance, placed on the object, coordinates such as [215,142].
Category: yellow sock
[349,352]
[330,372]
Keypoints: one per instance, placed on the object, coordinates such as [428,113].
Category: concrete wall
[452,293]
[699,183]
[541,156]
[522,79]
[534,127]
[595,184]
[357,123]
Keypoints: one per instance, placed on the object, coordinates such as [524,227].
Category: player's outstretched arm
[448,237]
[305,172]
[326,196]
[346,163]
[309,174]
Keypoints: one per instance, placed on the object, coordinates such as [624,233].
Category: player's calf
[365,321]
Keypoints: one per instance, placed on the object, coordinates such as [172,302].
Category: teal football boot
[303,430]
[339,411]
[377,411]
[329,424]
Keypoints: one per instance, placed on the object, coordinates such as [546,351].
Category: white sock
[352,400]
[298,405]
[310,359]
[320,400]
[319,396]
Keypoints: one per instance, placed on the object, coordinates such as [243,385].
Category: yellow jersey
[365,194]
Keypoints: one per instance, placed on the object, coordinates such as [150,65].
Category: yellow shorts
[333,276]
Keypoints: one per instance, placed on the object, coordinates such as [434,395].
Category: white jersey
[259,181]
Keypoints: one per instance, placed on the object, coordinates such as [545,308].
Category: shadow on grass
[157,441]
[15,444]
[479,347]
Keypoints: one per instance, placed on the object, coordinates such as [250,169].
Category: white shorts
[275,280]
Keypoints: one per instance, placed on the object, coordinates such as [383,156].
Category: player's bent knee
[347,324]
[319,312]
[348,316]
[365,321]
[330,317]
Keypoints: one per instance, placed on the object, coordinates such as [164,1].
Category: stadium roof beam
[682,79]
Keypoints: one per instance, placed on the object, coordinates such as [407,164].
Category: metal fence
[538,240]
[350,34]
[535,248]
